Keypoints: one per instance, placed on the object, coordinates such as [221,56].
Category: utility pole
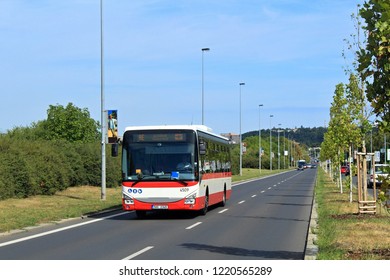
[103,119]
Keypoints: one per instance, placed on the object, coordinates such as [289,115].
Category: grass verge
[70,203]
[343,233]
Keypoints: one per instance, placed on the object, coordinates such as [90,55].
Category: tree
[356,96]
[339,121]
[69,123]
[374,60]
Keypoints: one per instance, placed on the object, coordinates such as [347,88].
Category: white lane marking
[132,256]
[254,195]
[262,191]
[241,202]
[269,188]
[58,230]
[194,225]
[224,210]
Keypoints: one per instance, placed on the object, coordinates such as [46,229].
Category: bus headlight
[127,199]
[191,199]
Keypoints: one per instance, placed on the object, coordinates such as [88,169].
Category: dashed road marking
[138,253]
[194,225]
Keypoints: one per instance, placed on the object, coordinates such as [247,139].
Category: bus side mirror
[202,148]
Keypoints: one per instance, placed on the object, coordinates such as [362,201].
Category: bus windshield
[159,155]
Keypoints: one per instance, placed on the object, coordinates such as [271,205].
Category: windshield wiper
[165,176]
[169,176]
[180,181]
[142,177]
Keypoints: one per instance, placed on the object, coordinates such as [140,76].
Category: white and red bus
[184,167]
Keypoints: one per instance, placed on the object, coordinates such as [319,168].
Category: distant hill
[311,137]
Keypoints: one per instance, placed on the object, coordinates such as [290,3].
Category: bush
[32,167]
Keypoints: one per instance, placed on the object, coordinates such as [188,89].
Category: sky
[287,52]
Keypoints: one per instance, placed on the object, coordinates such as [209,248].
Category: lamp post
[103,119]
[241,84]
[261,105]
[288,149]
[278,147]
[270,143]
[203,50]
[284,148]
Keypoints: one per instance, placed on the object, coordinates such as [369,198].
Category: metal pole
[385,149]
[284,149]
[260,139]
[203,50]
[270,144]
[289,150]
[241,84]
[278,147]
[103,131]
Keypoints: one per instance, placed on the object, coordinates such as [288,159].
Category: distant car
[344,170]
[381,170]
[308,165]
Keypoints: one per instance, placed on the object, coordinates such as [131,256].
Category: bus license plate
[159,206]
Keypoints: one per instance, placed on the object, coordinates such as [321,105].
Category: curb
[311,247]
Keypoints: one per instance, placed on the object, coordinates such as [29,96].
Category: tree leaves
[70,123]
[374,61]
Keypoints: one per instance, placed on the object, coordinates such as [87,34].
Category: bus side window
[202,148]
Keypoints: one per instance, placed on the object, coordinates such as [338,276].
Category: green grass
[343,233]
[248,174]
[70,203]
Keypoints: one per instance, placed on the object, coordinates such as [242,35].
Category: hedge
[44,167]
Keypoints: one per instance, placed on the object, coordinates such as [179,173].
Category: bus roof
[202,128]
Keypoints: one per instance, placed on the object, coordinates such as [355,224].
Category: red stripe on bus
[217,175]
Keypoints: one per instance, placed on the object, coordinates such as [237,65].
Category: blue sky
[287,52]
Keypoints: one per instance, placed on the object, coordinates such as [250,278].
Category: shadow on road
[274,255]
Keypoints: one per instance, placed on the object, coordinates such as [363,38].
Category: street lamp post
[102,127]
[284,148]
[261,105]
[288,149]
[278,147]
[270,143]
[241,84]
[203,50]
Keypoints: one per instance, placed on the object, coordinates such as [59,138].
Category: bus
[301,165]
[174,167]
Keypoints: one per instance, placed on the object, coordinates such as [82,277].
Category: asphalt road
[264,219]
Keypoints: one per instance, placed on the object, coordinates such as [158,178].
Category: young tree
[357,97]
[340,120]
